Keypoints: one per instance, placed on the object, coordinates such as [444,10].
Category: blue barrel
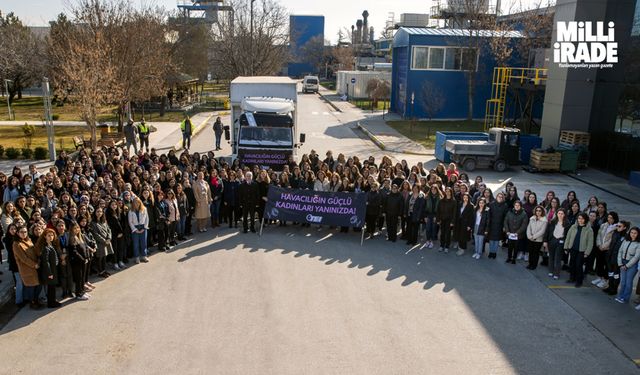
[528,143]
[441,152]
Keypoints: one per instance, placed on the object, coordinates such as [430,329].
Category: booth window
[444,58]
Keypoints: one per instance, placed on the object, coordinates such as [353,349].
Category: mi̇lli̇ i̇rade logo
[585,45]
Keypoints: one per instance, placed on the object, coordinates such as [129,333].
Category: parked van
[310,84]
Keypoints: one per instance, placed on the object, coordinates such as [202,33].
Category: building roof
[264,79]
[403,36]
[460,32]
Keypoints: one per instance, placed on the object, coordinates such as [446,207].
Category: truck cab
[264,130]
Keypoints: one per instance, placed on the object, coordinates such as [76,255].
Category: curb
[198,129]
[383,147]
[329,102]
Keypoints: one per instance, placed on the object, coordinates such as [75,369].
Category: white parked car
[310,84]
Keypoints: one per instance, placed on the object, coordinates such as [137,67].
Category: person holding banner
[248,193]
[374,208]
[393,208]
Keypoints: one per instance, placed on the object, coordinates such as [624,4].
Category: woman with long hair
[202,193]
[415,214]
[432,199]
[28,263]
[554,242]
[445,217]
[139,224]
[79,258]
[118,244]
[103,236]
[536,230]
[217,189]
[480,227]
[579,243]
[628,256]
[47,246]
[10,235]
[464,223]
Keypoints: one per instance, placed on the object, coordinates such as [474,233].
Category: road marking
[637,361]
[314,113]
[325,113]
[562,287]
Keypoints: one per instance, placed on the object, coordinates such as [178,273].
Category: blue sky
[338,13]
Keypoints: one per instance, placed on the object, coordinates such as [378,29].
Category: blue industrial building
[440,56]
[302,30]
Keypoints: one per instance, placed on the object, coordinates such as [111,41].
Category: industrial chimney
[353,34]
[365,27]
[358,32]
[371,35]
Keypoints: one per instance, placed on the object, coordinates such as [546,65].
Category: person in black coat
[161,210]
[393,209]
[49,261]
[464,223]
[117,235]
[554,241]
[445,217]
[415,214]
[374,208]
[230,200]
[249,196]
[497,212]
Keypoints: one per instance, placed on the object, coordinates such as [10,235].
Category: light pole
[6,89]
[251,37]
[48,115]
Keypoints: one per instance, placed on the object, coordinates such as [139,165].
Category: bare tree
[480,33]
[343,57]
[378,89]
[22,57]
[536,26]
[432,99]
[239,53]
[108,54]
[314,52]
[191,46]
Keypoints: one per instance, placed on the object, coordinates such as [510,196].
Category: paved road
[303,300]
[308,301]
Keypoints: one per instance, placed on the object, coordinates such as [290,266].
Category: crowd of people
[107,210]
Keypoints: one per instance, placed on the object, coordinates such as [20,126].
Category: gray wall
[585,99]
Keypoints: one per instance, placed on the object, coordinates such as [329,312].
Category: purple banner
[265,159]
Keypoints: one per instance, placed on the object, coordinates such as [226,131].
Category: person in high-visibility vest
[143,133]
[187,129]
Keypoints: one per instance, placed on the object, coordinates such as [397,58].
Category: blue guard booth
[442,57]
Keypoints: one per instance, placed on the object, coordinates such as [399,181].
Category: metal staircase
[503,77]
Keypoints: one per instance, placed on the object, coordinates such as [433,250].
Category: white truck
[264,126]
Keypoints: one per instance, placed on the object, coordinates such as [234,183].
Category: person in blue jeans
[8,240]
[628,256]
[139,224]
[480,227]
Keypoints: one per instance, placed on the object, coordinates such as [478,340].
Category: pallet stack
[541,161]
[573,138]
[576,140]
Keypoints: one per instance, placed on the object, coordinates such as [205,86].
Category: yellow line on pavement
[562,287]
[637,361]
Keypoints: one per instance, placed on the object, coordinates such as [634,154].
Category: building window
[436,58]
[420,57]
[444,58]
[453,59]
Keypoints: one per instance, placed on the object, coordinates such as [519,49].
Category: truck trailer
[264,126]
